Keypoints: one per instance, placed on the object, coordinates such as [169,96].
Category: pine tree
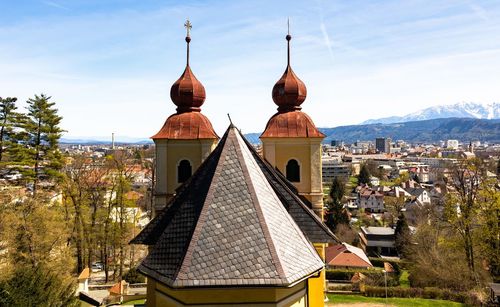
[43,134]
[402,234]
[9,120]
[364,175]
[336,213]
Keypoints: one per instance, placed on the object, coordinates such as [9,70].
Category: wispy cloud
[55,4]
[479,11]
[326,39]
[110,66]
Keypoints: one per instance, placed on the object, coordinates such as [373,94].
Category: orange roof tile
[346,256]
[186,126]
[291,124]
[84,274]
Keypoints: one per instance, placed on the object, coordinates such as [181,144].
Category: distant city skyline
[109,65]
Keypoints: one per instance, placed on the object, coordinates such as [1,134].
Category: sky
[109,64]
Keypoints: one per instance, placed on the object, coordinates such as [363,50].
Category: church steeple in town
[186,138]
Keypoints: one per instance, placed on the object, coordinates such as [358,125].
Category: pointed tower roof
[289,93]
[228,225]
[188,94]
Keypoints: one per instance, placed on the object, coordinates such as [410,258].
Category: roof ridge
[203,215]
[258,210]
[266,224]
[279,178]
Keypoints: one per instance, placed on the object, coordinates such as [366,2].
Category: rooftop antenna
[230,121]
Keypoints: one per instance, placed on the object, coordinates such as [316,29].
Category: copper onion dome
[187,93]
[289,92]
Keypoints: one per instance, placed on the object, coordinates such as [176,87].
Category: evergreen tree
[336,213]
[402,234]
[37,286]
[364,175]
[42,137]
[9,120]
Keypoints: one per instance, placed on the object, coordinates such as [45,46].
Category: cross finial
[288,38]
[188,27]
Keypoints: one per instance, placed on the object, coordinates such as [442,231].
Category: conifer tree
[42,137]
[9,120]
[402,234]
[364,175]
[336,214]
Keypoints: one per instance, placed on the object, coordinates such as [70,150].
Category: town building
[346,256]
[378,241]
[333,168]
[383,145]
[370,200]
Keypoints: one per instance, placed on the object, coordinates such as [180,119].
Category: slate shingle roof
[229,225]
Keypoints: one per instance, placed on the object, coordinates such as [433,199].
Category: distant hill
[433,130]
[100,140]
[461,110]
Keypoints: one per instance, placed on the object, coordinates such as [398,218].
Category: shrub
[468,298]
[134,277]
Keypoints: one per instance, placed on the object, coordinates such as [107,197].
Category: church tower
[291,141]
[292,144]
[186,138]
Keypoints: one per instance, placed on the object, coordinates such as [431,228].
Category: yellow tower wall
[308,152]
[162,295]
[168,155]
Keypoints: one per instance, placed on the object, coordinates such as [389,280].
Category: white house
[370,200]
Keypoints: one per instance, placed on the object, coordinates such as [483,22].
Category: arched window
[293,171]
[184,171]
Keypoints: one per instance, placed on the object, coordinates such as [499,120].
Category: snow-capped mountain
[463,109]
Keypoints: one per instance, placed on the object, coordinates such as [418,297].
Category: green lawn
[403,279]
[393,301]
[143,301]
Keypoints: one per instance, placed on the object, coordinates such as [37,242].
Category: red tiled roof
[346,256]
[186,126]
[291,124]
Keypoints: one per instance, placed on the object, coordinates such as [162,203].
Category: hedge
[376,277]
[426,293]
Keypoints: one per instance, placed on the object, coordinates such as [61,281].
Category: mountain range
[461,121]
[462,110]
[423,131]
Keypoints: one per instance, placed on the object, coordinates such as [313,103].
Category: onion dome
[289,92]
[187,93]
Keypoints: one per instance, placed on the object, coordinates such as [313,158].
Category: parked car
[97,267]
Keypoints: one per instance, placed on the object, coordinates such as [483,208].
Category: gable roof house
[346,256]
